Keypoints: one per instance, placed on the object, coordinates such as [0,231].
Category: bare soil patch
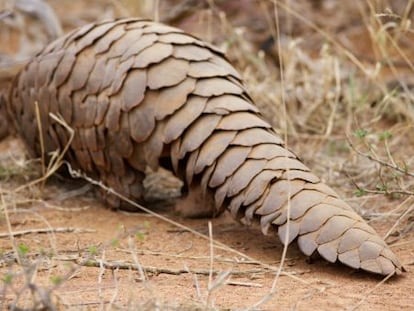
[70,251]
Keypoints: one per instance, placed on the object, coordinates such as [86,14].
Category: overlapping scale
[135,91]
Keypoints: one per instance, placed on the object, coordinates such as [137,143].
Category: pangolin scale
[139,94]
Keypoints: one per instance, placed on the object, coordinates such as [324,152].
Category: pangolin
[140,94]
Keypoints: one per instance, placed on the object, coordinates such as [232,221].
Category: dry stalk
[217,258]
[123,265]
[400,218]
[273,289]
[100,277]
[41,139]
[57,158]
[326,35]
[369,292]
[10,233]
[372,156]
[210,275]
[78,174]
[45,230]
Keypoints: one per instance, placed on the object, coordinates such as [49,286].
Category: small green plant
[115,242]
[385,135]
[361,133]
[23,249]
[8,278]
[56,280]
[405,168]
[147,224]
[121,228]
[382,187]
[360,192]
[93,250]
[140,236]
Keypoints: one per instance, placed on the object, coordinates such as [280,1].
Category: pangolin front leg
[141,94]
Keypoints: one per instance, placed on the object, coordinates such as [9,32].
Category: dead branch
[113,265]
[379,161]
[46,230]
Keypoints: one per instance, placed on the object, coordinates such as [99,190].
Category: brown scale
[136,92]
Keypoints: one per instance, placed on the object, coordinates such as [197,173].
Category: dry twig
[46,230]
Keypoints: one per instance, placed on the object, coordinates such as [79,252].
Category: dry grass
[346,109]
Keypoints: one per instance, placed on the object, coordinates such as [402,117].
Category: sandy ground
[83,256]
[175,264]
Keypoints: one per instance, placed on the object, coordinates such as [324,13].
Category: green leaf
[361,133]
[93,250]
[23,249]
[56,279]
[8,278]
[385,135]
[360,192]
[140,236]
[381,187]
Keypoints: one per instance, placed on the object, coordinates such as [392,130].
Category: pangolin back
[139,93]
